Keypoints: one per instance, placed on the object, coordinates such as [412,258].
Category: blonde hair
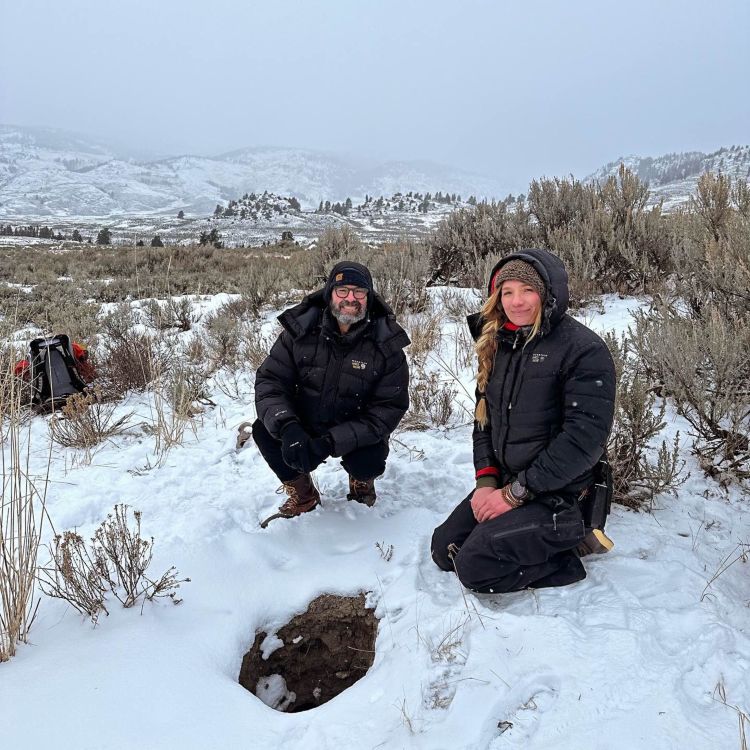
[493,318]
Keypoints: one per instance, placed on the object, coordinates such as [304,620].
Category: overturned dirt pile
[314,657]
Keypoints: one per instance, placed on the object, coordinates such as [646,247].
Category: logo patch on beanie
[339,277]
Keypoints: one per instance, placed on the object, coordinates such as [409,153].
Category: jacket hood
[554,276]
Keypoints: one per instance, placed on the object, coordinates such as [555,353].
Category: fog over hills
[49,173]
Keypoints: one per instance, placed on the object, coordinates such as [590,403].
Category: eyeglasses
[342,292]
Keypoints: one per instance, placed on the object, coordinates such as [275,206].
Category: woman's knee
[479,569]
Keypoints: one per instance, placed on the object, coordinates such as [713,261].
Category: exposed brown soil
[326,650]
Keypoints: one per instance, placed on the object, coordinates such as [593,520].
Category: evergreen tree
[76,236]
[156,241]
[294,203]
[215,238]
[104,237]
[180,214]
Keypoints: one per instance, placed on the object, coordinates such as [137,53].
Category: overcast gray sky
[511,89]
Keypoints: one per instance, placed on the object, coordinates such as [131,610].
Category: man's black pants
[362,463]
[528,547]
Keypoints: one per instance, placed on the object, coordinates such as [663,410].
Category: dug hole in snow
[316,656]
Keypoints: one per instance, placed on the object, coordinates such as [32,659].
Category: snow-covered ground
[635,656]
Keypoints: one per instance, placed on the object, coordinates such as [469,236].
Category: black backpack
[54,375]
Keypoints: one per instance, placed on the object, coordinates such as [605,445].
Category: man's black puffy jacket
[354,386]
[551,399]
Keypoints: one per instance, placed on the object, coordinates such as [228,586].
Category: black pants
[363,463]
[528,547]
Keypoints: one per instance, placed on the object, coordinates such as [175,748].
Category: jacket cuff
[489,476]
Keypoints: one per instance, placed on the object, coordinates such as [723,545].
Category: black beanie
[349,272]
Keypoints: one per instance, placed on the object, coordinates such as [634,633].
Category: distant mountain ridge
[673,177]
[49,174]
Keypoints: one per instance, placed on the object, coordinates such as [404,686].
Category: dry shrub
[86,420]
[400,274]
[132,362]
[638,420]
[187,390]
[14,391]
[464,354]
[22,512]
[254,347]
[605,235]
[118,324]
[431,402]
[196,352]
[465,237]
[221,335]
[712,264]
[425,333]
[703,364]
[712,203]
[77,574]
[241,308]
[116,561]
[458,304]
[335,244]
[260,284]
[173,408]
[175,313]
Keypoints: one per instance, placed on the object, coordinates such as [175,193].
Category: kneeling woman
[545,404]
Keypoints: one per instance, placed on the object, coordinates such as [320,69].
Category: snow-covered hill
[48,173]
[673,176]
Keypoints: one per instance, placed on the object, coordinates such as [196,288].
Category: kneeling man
[334,384]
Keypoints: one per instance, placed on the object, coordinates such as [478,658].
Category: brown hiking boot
[303,496]
[596,542]
[362,490]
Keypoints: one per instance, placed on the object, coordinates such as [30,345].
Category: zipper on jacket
[338,355]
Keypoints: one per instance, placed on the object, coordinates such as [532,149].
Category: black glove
[302,452]
[316,451]
[293,440]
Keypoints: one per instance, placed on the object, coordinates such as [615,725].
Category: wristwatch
[516,494]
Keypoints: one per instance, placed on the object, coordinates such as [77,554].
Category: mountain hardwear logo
[538,357]
[358,365]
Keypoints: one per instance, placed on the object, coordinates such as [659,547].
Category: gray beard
[348,318]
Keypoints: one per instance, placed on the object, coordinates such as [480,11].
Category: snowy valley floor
[635,656]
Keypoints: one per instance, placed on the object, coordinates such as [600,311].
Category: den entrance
[314,657]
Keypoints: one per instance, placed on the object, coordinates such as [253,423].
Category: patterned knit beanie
[519,270]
